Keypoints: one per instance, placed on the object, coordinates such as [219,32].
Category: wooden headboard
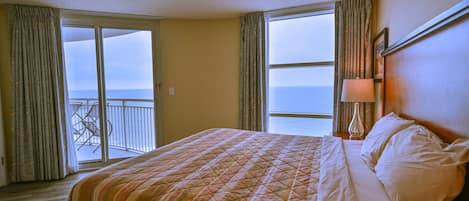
[427,77]
[427,74]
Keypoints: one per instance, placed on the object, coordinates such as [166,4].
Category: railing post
[125,127]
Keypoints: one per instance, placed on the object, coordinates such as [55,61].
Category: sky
[128,58]
[302,76]
[127,61]
[301,40]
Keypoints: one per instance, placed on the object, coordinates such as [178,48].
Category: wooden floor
[43,191]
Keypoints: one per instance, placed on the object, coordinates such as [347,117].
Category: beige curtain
[252,73]
[353,57]
[41,147]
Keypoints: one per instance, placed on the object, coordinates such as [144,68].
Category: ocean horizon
[114,93]
[314,99]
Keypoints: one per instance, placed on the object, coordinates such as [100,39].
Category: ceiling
[172,8]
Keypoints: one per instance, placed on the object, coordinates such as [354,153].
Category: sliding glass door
[129,92]
[82,82]
[110,86]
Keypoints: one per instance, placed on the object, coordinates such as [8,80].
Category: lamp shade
[358,90]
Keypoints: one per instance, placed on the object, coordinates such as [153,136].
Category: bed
[231,164]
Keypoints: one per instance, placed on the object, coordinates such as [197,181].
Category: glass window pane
[299,40]
[128,63]
[301,90]
[82,83]
[128,68]
[300,126]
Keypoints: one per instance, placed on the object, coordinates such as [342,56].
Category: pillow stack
[412,162]
[416,165]
[379,135]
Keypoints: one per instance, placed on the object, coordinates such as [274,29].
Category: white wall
[403,16]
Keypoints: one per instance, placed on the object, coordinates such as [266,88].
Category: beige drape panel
[353,57]
[40,146]
[252,73]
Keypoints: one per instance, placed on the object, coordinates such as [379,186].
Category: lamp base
[355,128]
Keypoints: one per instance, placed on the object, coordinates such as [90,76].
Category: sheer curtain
[42,146]
[353,58]
[252,73]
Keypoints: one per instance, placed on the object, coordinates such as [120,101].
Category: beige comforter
[227,164]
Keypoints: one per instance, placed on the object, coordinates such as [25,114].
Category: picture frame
[380,44]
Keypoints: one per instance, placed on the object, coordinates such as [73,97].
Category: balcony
[130,127]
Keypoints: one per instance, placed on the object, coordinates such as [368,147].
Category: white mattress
[366,184]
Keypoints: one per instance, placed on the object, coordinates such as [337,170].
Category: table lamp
[357,91]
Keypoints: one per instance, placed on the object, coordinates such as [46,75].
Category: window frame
[286,14]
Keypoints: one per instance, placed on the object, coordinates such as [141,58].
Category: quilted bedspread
[227,164]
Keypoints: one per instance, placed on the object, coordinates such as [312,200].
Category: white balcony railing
[130,123]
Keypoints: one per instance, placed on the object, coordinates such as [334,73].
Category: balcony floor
[86,153]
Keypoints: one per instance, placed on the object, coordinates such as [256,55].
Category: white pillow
[376,140]
[417,166]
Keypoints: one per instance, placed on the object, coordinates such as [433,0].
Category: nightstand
[343,135]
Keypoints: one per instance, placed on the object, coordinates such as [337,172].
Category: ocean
[315,100]
[114,93]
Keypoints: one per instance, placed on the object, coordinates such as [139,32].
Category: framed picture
[380,43]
